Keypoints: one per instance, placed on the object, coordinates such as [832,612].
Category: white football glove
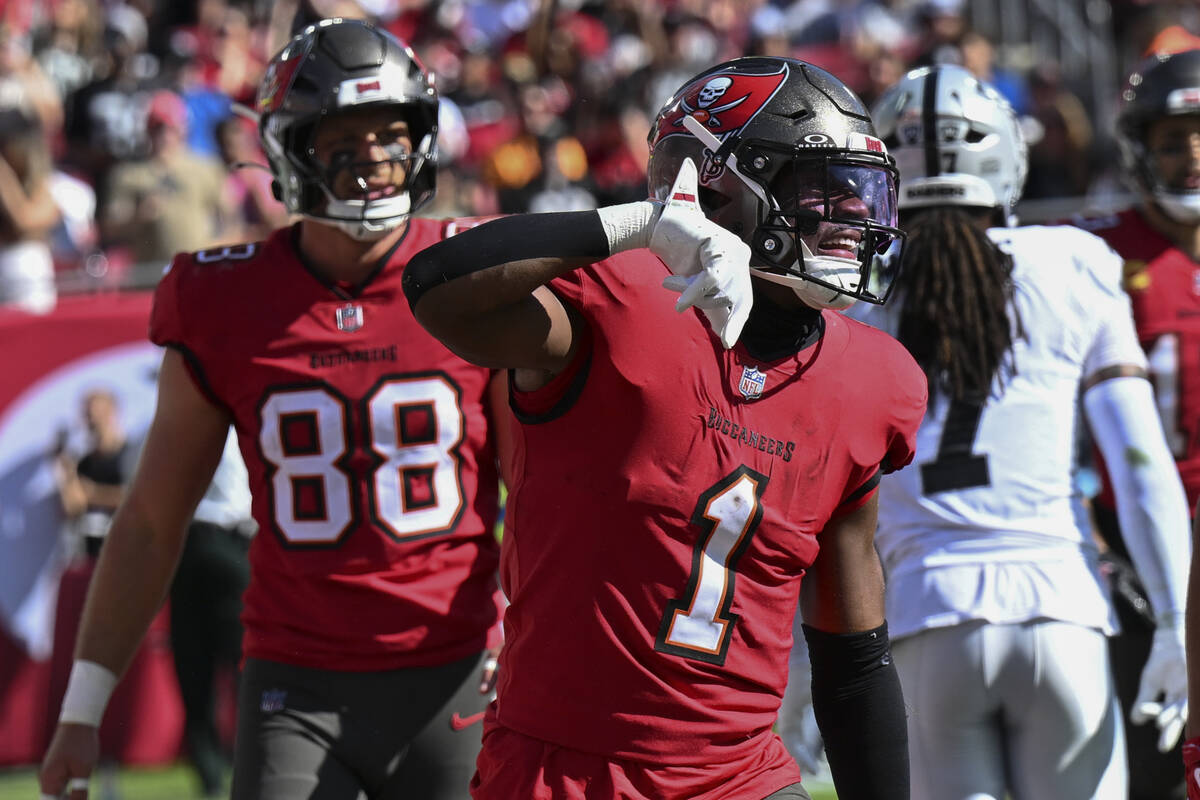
[1165,676]
[711,264]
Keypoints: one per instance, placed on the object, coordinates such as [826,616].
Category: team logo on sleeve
[752,383]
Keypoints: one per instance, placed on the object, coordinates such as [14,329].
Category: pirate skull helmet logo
[705,111]
[713,90]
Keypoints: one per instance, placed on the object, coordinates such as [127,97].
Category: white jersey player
[998,610]
[994,490]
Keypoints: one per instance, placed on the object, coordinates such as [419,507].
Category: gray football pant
[1023,710]
[409,734]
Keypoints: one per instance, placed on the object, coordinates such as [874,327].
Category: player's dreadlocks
[957,291]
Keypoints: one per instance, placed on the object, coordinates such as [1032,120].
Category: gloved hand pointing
[711,264]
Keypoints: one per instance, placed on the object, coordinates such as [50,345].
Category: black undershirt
[773,332]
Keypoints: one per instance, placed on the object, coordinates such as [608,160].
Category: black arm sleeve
[568,234]
[860,709]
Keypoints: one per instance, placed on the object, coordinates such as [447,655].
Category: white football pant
[1024,710]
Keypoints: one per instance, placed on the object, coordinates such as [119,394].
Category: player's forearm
[493,296]
[1151,504]
[859,706]
[1158,549]
[500,263]
[131,579]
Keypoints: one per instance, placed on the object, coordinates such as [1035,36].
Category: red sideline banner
[51,362]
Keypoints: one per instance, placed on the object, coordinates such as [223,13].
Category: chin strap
[843,272]
[722,150]
[1181,208]
[351,216]
[361,231]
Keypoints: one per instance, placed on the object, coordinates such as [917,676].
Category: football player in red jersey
[373,598]
[1158,131]
[675,475]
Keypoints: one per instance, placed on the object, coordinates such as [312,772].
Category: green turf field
[171,783]
[159,783]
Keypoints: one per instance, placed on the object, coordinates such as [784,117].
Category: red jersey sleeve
[906,414]
[882,434]
[170,328]
[166,322]
[553,398]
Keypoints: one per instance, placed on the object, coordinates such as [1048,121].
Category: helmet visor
[838,191]
[837,210]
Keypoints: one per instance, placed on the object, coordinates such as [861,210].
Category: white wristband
[88,690]
[628,225]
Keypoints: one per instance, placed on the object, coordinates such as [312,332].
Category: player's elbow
[430,295]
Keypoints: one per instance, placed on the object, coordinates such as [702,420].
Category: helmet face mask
[832,225]
[341,69]
[1160,102]
[956,141]
[365,190]
[788,161]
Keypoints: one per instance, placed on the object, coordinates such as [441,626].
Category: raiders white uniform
[995,603]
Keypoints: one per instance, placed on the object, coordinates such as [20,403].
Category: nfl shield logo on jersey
[349,318]
[752,382]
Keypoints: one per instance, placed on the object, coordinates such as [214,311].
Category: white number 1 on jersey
[699,624]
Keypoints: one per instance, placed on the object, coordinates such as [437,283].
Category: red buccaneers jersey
[1164,286]
[374,482]
[668,494]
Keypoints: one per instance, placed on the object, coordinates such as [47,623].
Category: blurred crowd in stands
[120,145]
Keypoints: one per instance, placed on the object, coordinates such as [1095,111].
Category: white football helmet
[956,140]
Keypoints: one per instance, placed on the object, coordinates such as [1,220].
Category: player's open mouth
[843,244]
[381,192]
